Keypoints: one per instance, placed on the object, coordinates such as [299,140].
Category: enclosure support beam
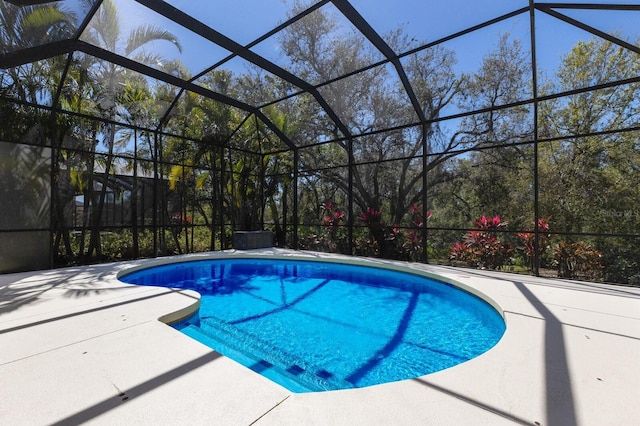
[425,198]
[178,82]
[134,198]
[154,220]
[367,30]
[536,188]
[548,9]
[296,220]
[350,221]
[189,22]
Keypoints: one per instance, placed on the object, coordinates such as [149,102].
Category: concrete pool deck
[79,346]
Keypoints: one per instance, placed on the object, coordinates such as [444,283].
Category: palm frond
[43,18]
[77,178]
[105,25]
[201,180]
[177,174]
[146,34]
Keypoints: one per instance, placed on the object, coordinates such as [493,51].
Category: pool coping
[81,346]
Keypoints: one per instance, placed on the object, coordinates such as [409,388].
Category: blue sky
[424,20]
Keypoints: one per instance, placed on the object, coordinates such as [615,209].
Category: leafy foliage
[483,247]
[528,242]
[578,260]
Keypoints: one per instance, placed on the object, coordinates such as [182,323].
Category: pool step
[250,360]
[264,358]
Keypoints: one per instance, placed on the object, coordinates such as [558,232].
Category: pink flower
[371,216]
[458,249]
[328,205]
[543,224]
[482,222]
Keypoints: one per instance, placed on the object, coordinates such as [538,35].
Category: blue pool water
[313,326]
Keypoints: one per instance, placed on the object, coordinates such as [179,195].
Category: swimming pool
[314,326]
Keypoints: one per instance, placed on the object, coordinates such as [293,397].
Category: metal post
[350,220]
[536,187]
[425,199]
[221,206]
[154,219]
[296,161]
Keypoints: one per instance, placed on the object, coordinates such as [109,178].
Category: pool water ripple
[313,326]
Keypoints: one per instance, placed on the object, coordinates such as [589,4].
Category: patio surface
[78,346]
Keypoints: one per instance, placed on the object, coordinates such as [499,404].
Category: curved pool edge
[308,258]
[286,254]
[181,314]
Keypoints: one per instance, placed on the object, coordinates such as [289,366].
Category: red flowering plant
[372,218]
[527,241]
[413,239]
[334,217]
[177,219]
[180,222]
[386,240]
[482,246]
[460,252]
[393,241]
[333,223]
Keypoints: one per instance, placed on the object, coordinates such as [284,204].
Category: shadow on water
[390,346]
[284,307]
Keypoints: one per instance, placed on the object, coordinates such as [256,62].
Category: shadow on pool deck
[549,349]
[22,289]
[136,391]
[474,402]
[92,310]
[560,401]
[559,387]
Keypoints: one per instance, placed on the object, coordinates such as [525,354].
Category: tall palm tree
[105,30]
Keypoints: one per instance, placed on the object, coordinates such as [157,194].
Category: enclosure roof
[193,40]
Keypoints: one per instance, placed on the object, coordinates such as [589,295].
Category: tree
[28,26]
[109,79]
[503,79]
[388,173]
[588,164]
[589,172]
